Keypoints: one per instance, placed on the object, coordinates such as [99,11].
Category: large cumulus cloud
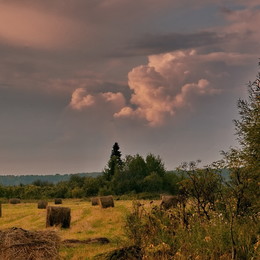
[162,87]
[167,84]
[172,81]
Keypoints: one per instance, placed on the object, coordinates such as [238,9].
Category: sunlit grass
[86,222]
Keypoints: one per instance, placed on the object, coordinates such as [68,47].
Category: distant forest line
[15,180]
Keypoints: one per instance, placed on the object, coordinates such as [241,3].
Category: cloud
[175,80]
[243,22]
[155,44]
[81,99]
[168,83]
[32,27]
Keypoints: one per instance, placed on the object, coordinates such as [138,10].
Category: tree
[248,127]
[201,184]
[244,163]
[155,164]
[132,173]
[92,185]
[153,183]
[116,152]
[114,164]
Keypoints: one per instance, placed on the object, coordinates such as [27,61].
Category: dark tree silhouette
[116,153]
[114,163]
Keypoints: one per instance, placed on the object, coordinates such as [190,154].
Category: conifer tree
[114,163]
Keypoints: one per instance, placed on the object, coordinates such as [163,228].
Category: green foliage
[248,127]
[154,164]
[171,182]
[133,174]
[153,183]
[244,163]
[92,185]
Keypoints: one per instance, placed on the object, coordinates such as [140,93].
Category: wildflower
[207,239]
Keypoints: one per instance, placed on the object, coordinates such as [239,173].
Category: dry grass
[86,222]
[17,243]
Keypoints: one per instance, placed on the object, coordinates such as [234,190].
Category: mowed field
[87,221]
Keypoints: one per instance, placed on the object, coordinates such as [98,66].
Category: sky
[160,77]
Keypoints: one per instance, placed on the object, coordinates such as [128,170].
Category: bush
[162,234]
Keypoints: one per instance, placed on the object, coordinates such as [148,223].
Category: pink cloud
[163,86]
[244,24]
[81,99]
[32,27]
[169,82]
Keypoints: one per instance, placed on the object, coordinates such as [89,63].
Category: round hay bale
[169,202]
[42,204]
[106,201]
[58,216]
[57,201]
[94,201]
[17,243]
[14,201]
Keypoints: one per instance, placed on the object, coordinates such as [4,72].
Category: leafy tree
[203,185]
[92,185]
[32,192]
[170,182]
[153,183]
[155,164]
[76,181]
[77,192]
[2,191]
[61,190]
[248,127]
[244,163]
[42,183]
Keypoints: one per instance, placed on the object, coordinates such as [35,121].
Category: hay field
[86,222]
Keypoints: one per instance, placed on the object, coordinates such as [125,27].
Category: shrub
[162,234]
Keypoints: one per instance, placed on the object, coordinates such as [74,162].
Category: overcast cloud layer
[154,76]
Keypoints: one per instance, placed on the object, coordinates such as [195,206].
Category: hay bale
[58,201]
[94,201]
[169,202]
[58,216]
[106,201]
[42,204]
[17,243]
[14,201]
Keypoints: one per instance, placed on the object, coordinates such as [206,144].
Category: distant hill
[15,180]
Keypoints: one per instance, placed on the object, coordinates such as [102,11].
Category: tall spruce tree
[116,153]
[114,164]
